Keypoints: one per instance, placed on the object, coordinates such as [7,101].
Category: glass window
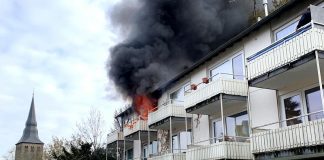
[232,69]
[185,139]
[285,31]
[145,153]
[175,144]
[237,125]
[314,103]
[187,89]
[292,109]
[242,125]
[238,70]
[217,130]
[230,126]
[222,71]
[154,147]
[178,95]
[130,154]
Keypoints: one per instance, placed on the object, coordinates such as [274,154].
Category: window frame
[178,135]
[282,106]
[243,64]
[235,115]
[283,26]
[307,91]
[304,107]
[182,86]
[215,67]
[214,138]
[229,59]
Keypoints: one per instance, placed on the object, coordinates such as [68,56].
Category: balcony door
[180,141]
[300,106]
[237,126]
[145,152]
[217,130]
[314,103]
[293,108]
[129,154]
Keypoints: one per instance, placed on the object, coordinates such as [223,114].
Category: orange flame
[143,105]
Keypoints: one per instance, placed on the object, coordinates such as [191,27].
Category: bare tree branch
[91,129]
[10,155]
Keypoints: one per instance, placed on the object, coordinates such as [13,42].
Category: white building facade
[258,96]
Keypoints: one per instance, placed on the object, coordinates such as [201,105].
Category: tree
[91,129]
[81,151]
[10,155]
[74,149]
[85,144]
[55,147]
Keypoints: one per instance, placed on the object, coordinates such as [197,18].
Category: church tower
[30,147]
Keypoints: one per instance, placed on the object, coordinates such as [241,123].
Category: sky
[59,49]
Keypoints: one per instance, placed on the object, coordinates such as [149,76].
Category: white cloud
[59,48]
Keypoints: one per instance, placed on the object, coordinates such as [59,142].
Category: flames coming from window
[143,105]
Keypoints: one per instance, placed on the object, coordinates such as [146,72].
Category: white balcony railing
[169,156]
[217,86]
[306,134]
[134,126]
[285,51]
[221,150]
[170,109]
[114,136]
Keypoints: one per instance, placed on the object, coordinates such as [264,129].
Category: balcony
[115,136]
[293,55]
[171,109]
[220,150]
[285,51]
[169,156]
[301,135]
[135,126]
[234,90]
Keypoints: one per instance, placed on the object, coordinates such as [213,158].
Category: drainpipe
[265,4]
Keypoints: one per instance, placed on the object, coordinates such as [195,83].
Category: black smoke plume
[166,36]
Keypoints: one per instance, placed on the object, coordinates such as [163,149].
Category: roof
[30,134]
[128,110]
[230,42]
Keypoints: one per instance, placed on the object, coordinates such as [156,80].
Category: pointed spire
[30,134]
[31,120]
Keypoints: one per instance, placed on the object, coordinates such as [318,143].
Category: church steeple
[30,134]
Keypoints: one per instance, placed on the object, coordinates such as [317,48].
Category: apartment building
[172,123]
[258,96]
[131,140]
[291,68]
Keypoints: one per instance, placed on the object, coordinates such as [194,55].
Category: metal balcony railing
[169,156]
[235,148]
[310,133]
[285,51]
[134,126]
[171,108]
[216,86]
[115,136]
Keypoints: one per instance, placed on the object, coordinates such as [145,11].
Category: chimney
[265,4]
